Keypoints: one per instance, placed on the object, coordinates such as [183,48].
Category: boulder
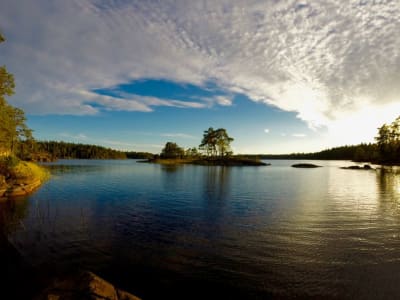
[85,285]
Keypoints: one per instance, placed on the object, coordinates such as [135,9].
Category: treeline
[65,150]
[50,150]
[361,152]
[139,155]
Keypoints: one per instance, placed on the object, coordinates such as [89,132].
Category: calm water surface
[234,232]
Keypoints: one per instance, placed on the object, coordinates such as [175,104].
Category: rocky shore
[21,179]
[85,285]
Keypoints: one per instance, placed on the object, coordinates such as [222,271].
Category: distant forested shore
[52,150]
[66,150]
[358,153]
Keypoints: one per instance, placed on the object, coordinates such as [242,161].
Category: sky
[281,76]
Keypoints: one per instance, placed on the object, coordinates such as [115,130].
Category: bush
[8,162]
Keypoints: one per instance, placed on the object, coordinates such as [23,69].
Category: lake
[191,232]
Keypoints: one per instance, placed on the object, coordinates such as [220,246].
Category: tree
[13,128]
[192,152]
[388,141]
[216,142]
[172,150]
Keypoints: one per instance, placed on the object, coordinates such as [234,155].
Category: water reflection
[388,179]
[12,214]
[263,231]
[216,183]
[171,168]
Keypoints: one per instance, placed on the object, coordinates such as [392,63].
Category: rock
[85,285]
[2,180]
[304,165]
[365,167]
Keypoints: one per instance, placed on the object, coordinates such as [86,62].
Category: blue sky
[280,76]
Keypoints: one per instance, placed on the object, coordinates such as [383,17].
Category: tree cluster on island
[214,150]
[215,143]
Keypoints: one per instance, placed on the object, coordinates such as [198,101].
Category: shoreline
[22,179]
[232,161]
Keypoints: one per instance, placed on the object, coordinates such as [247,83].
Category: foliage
[9,161]
[29,170]
[192,152]
[172,150]
[13,129]
[388,142]
[139,155]
[216,142]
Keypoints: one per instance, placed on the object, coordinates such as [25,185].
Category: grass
[29,170]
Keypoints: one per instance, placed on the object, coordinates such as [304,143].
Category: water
[229,232]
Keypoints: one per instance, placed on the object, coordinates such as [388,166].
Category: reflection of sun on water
[396,184]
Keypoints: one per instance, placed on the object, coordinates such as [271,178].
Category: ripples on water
[249,232]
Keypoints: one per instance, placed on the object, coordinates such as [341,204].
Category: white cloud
[299,135]
[78,136]
[178,135]
[126,146]
[224,100]
[321,59]
[266,130]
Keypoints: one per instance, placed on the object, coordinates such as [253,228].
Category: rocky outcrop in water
[305,165]
[365,167]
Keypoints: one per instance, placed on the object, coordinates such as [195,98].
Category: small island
[205,161]
[364,167]
[214,150]
[305,165]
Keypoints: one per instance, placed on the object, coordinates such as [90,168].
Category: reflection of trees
[172,176]
[12,212]
[171,168]
[388,179]
[216,183]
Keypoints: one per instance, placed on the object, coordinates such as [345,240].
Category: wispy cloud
[299,135]
[266,130]
[224,100]
[78,136]
[321,59]
[178,135]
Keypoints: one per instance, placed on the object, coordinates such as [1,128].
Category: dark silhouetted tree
[172,150]
[216,142]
